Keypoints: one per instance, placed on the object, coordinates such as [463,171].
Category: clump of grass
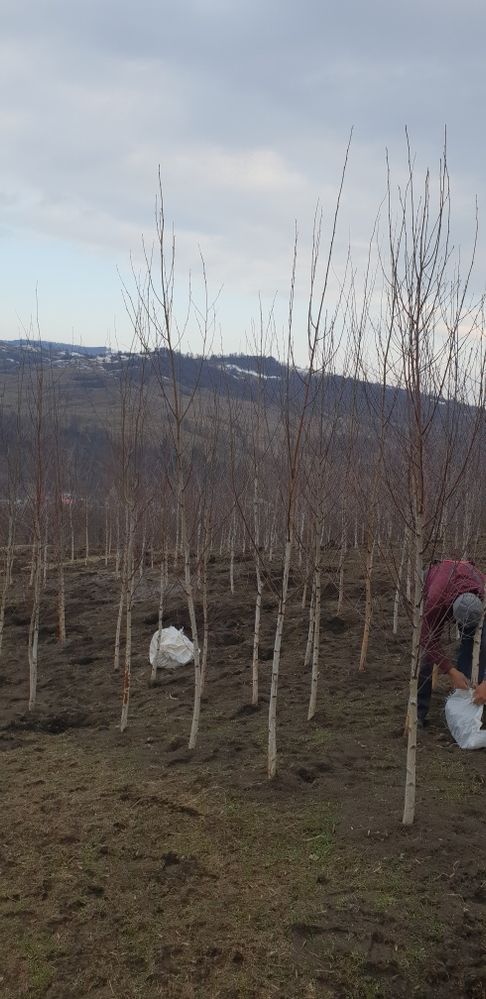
[38,953]
[319,736]
[350,973]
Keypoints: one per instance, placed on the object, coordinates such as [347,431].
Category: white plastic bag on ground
[464,720]
[172,650]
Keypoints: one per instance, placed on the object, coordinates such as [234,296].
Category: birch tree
[295,418]
[433,354]
[162,334]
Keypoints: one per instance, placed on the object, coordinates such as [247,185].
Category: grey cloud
[247,106]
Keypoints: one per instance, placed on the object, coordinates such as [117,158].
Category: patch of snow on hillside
[246,371]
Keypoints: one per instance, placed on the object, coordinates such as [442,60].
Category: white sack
[173,649]
[464,720]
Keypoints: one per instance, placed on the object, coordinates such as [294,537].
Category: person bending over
[453,591]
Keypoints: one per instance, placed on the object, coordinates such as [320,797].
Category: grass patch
[350,971]
[37,952]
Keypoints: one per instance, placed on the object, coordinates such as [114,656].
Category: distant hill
[60,348]
[92,374]
[89,381]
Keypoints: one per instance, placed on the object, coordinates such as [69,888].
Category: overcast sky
[247,107]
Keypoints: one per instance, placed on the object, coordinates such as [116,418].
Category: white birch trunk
[121,605]
[477,649]
[316,632]
[398,590]
[61,604]
[61,595]
[408,584]
[273,538]
[411,763]
[301,539]
[153,675]
[255,662]
[205,647]
[130,588]
[368,606]
[34,628]
[197,656]
[342,555]
[166,564]
[310,630]
[272,711]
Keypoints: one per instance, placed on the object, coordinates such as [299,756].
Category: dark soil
[131,867]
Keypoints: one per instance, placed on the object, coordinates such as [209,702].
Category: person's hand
[458,680]
[480,693]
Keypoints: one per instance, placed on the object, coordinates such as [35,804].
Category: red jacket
[445,582]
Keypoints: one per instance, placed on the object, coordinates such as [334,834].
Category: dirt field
[130,867]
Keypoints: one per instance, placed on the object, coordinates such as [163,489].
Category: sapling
[398,588]
[477,648]
[316,627]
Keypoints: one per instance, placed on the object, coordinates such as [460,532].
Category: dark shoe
[423,722]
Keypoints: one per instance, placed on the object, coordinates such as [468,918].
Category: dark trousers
[464,664]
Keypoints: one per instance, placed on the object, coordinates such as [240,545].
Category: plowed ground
[130,867]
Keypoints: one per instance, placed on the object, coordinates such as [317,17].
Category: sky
[247,108]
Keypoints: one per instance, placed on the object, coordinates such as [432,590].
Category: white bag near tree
[170,648]
[464,718]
